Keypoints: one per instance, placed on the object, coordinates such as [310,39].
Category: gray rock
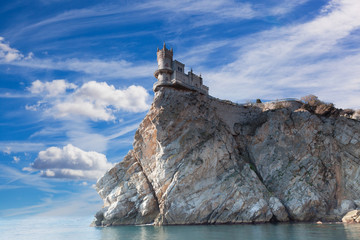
[278,209]
[200,160]
[346,206]
[357,203]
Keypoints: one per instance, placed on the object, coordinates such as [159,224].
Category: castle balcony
[179,85]
[164,70]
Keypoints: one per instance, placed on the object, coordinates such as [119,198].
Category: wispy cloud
[225,9]
[22,211]
[92,67]
[20,146]
[284,7]
[306,58]
[196,13]
[124,130]
[83,203]
[200,13]
[13,176]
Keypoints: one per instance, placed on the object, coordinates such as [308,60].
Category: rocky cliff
[200,160]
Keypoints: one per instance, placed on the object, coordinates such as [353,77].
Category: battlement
[162,53]
[171,73]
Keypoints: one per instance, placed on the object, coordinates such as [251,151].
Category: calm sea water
[78,229]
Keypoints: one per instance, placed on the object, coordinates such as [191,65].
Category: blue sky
[76,78]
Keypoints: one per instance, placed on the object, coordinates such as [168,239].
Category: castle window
[179,69]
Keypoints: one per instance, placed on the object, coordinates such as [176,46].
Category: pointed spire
[164,47]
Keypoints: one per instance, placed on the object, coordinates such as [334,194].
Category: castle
[171,73]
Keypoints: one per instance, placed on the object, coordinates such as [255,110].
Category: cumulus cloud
[9,54]
[70,162]
[94,100]
[51,89]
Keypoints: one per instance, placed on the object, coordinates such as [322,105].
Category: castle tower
[164,59]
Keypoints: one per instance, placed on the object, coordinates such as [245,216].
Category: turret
[164,59]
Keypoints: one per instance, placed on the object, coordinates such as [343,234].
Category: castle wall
[231,113]
[164,77]
[181,77]
[205,88]
[178,66]
[195,80]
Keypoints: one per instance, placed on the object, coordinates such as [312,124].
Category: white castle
[171,73]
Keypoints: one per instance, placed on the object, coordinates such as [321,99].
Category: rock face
[200,160]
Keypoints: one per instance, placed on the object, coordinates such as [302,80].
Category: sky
[76,78]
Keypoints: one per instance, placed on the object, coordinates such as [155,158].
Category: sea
[78,228]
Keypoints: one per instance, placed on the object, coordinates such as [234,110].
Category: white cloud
[8,54]
[7,150]
[99,101]
[16,159]
[296,60]
[70,162]
[51,89]
[94,100]
[285,7]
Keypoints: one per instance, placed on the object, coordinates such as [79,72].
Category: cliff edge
[200,160]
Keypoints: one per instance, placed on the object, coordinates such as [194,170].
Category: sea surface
[43,228]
